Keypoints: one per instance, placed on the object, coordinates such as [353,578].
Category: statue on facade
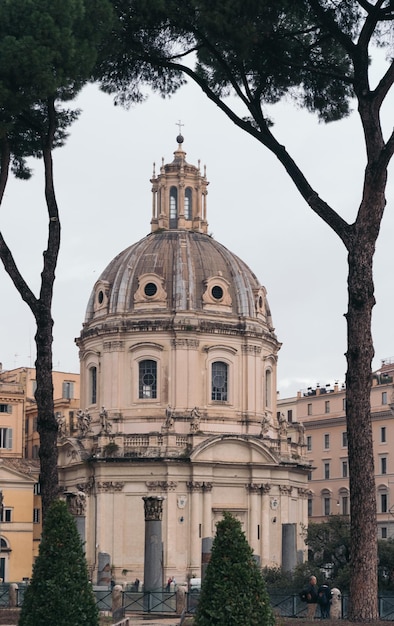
[106,426]
[169,421]
[195,419]
[84,421]
[61,426]
[265,424]
[77,503]
[282,425]
[301,434]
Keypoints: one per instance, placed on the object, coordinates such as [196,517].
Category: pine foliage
[60,593]
[233,591]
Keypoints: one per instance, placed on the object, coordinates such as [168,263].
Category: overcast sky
[102,179]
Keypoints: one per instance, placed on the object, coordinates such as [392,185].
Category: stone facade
[178,396]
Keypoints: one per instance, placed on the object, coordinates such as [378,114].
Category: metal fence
[149,601]
[283,604]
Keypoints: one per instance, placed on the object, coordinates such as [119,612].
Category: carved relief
[153,506]
[286,489]
[198,486]
[109,486]
[76,503]
[161,485]
[258,488]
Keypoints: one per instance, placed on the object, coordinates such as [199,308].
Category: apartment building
[20,510]
[321,410]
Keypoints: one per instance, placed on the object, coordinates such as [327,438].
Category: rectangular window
[383,532]
[68,390]
[309,443]
[344,404]
[345,505]
[6,515]
[310,475]
[290,415]
[33,386]
[147,379]
[327,510]
[310,507]
[344,469]
[383,502]
[327,406]
[384,397]
[5,408]
[383,465]
[36,516]
[326,441]
[219,382]
[326,471]
[93,384]
[344,439]
[6,438]
[310,408]
[383,434]
[37,489]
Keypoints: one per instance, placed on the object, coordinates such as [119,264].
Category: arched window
[148,379]
[219,385]
[188,203]
[326,501]
[268,389]
[93,384]
[344,502]
[383,499]
[173,207]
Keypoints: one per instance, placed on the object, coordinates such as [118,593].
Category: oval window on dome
[150,289]
[100,297]
[217,292]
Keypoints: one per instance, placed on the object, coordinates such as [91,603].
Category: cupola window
[188,203]
[173,207]
[150,289]
[217,292]
[219,381]
[148,379]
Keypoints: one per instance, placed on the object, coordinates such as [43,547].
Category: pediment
[233,449]
[70,451]
[13,472]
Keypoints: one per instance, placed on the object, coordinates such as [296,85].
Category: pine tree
[60,592]
[233,590]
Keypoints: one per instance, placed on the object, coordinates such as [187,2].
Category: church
[178,360]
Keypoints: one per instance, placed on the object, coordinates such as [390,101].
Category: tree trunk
[46,422]
[363,606]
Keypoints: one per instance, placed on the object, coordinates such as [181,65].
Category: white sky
[104,195]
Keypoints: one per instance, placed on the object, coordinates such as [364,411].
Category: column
[195,520]
[153,577]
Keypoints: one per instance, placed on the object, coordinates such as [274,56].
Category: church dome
[177,271]
[178,267]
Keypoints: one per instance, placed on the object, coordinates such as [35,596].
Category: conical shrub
[233,591]
[59,593]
